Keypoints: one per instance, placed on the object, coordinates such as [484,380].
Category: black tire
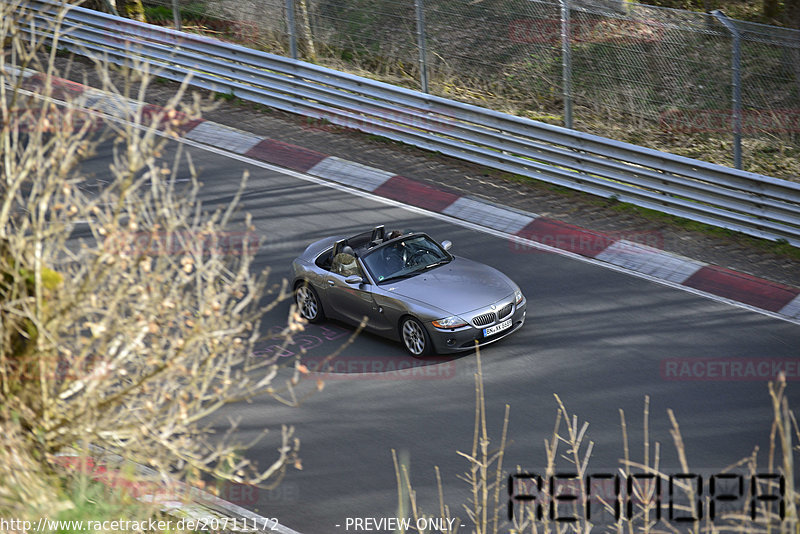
[415,338]
[308,303]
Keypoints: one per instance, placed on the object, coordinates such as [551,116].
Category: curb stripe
[742,287]
[286,155]
[488,215]
[59,87]
[223,137]
[650,261]
[349,173]
[187,126]
[792,309]
[566,237]
[415,193]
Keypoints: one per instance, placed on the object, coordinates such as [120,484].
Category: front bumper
[458,340]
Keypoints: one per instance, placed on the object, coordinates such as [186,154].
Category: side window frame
[325,260]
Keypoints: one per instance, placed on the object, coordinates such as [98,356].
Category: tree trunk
[791,13]
[306,25]
[771,10]
[133,9]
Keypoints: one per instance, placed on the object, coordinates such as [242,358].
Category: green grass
[381,139]
[161,14]
[158,13]
[227,97]
[779,247]
[90,502]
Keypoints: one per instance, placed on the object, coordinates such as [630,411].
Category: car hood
[458,287]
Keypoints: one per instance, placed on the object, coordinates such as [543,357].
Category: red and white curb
[627,255]
[777,299]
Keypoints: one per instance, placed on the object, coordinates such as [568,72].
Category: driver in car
[394,255]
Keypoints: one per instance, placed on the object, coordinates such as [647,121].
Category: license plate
[497,328]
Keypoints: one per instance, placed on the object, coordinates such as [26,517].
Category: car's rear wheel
[308,303]
[415,337]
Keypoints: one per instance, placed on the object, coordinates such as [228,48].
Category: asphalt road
[602,340]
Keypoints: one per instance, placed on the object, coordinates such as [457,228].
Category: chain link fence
[687,82]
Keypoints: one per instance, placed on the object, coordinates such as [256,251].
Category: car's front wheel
[308,303]
[415,337]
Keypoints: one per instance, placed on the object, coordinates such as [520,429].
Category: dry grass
[569,450]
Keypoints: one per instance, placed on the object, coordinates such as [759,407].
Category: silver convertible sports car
[410,289]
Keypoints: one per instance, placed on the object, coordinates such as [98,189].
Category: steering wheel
[417,257]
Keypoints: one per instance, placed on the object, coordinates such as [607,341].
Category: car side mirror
[447,244]
[354,280]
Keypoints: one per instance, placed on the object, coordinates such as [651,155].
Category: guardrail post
[423,56]
[292,29]
[566,63]
[736,64]
[712,194]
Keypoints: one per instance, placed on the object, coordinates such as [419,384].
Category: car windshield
[404,258]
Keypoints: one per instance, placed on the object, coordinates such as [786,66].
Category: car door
[351,301]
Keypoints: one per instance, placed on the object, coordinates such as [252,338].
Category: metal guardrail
[178,499]
[757,205]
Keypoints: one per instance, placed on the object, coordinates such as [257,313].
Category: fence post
[736,62]
[566,63]
[292,28]
[423,61]
[176,15]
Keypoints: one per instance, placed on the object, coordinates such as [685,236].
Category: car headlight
[518,296]
[450,322]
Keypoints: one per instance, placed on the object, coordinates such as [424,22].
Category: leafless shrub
[102,340]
